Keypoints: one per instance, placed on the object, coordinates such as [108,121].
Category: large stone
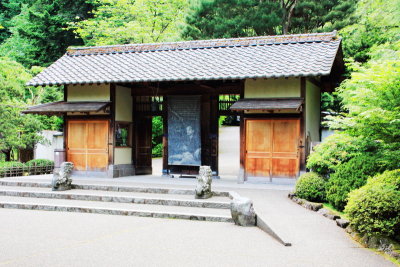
[204,179]
[62,178]
[242,212]
[342,223]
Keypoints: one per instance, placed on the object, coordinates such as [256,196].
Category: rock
[243,212]
[204,179]
[291,195]
[62,179]
[342,223]
[312,206]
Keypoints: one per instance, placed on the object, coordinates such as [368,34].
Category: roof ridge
[203,44]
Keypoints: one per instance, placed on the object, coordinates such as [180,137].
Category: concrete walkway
[40,238]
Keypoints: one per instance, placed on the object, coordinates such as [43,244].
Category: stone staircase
[125,200]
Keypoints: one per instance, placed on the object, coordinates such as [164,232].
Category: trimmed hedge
[311,186]
[375,207]
[349,176]
[33,167]
[39,162]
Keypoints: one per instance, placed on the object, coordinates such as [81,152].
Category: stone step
[113,208]
[115,188]
[117,196]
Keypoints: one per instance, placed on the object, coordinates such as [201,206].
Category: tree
[372,98]
[322,15]
[132,21]
[241,18]
[16,130]
[378,22]
[38,33]
[232,18]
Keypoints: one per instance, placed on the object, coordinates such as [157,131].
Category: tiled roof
[240,58]
[63,107]
[267,104]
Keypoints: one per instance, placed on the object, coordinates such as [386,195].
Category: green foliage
[37,27]
[311,186]
[157,134]
[323,15]
[377,23]
[349,176]
[335,150]
[16,130]
[375,207]
[157,151]
[11,167]
[372,98]
[127,21]
[232,18]
[39,162]
[240,18]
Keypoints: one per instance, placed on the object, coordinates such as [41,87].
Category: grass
[335,211]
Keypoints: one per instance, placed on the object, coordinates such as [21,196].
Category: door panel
[88,145]
[258,147]
[272,147]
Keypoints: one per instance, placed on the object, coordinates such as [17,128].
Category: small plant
[311,186]
[375,207]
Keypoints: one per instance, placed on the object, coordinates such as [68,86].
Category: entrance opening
[229,137]
[157,131]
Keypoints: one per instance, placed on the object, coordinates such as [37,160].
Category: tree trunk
[7,153]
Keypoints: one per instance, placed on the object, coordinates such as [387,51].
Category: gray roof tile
[240,58]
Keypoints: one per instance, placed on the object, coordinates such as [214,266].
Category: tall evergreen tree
[232,18]
[38,33]
[239,18]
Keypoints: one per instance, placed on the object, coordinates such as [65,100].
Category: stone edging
[380,243]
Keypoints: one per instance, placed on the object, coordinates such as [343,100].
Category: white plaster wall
[275,88]
[123,155]
[123,104]
[53,140]
[86,92]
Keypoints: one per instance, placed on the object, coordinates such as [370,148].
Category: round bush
[375,207]
[349,176]
[311,186]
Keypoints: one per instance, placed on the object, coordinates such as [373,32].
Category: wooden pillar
[302,145]
[165,136]
[214,127]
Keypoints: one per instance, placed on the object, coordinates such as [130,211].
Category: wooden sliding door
[271,147]
[87,144]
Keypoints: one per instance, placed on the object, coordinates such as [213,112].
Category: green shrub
[349,176]
[11,168]
[157,150]
[335,150]
[39,162]
[388,177]
[311,186]
[375,207]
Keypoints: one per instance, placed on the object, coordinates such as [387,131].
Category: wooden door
[271,147]
[88,145]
